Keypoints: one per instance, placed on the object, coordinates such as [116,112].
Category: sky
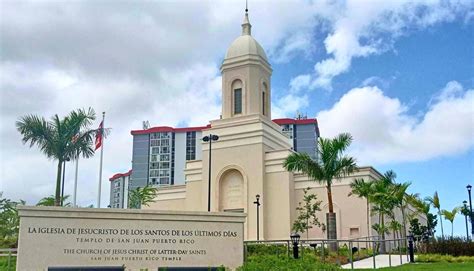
[398,75]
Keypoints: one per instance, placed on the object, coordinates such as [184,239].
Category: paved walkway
[380,261]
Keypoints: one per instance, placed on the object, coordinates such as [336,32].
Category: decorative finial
[246,26]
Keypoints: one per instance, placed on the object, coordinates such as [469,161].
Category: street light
[469,187]
[62,186]
[466,212]
[257,202]
[295,239]
[209,139]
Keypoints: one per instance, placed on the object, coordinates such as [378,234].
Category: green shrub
[282,262]
[434,258]
[262,249]
[451,246]
[341,257]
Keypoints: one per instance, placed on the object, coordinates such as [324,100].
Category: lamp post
[469,187]
[295,239]
[466,212]
[209,139]
[62,185]
[257,202]
[411,248]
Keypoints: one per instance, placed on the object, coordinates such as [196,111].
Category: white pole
[74,195]
[101,158]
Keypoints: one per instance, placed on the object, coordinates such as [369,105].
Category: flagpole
[75,184]
[101,158]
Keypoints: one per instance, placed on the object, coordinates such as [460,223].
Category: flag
[99,135]
[75,137]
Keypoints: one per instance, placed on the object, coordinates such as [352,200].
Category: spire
[246,26]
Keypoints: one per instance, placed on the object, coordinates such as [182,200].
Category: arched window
[237,96]
[264,99]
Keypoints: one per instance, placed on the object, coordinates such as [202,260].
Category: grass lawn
[4,264]
[430,267]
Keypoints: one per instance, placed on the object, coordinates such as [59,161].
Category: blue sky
[414,70]
[398,75]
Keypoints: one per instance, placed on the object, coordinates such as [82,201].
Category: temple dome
[245,45]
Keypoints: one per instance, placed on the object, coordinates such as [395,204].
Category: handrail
[5,252]
[321,240]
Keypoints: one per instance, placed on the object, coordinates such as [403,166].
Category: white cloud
[289,106]
[185,97]
[299,83]
[159,62]
[384,131]
[364,28]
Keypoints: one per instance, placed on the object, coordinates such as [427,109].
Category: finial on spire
[246,26]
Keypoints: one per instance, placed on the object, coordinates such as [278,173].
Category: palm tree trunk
[330,205]
[368,223]
[441,220]
[452,225]
[382,247]
[404,223]
[331,221]
[57,198]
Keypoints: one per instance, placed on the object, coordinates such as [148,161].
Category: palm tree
[142,196]
[435,202]
[330,165]
[395,227]
[401,201]
[50,201]
[450,217]
[381,231]
[383,197]
[362,189]
[55,138]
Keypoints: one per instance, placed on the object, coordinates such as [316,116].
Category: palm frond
[302,162]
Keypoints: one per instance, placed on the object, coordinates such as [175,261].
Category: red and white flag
[99,136]
[75,137]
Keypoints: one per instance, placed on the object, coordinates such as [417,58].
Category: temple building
[247,158]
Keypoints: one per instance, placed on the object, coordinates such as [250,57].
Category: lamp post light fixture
[466,212]
[209,139]
[257,202]
[295,239]
[471,215]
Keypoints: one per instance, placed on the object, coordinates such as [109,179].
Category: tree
[381,231]
[9,222]
[436,204]
[142,196]
[395,227]
[422,207]
[450,215]
[384,200]
[402,201]
[50,201]
[432,221]
[330,165]
[55,138]
[362,189]
[307,213]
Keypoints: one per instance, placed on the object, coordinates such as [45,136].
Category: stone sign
[137,239]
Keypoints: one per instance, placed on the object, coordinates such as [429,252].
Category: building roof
[120,175]
[295,121]
[159,129]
